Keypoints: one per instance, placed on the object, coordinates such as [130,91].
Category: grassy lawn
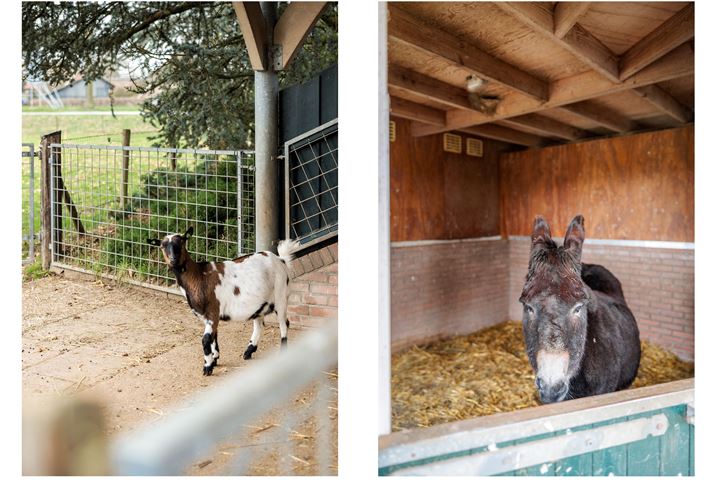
[82,129]
[80,108]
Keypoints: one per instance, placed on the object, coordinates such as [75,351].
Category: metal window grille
[30,201]
[106,201]
[311,184]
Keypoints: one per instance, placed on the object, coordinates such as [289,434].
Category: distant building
[76,89]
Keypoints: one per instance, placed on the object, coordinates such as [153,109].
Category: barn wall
[436,195]
[636,187]
[658,284]
[313,288]
[447,278]
[443,289]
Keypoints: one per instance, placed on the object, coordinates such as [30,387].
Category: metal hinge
[690,413]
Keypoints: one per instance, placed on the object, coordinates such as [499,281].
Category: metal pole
[266,142]
[383,228]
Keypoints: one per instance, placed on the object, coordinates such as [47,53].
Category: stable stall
[497,112]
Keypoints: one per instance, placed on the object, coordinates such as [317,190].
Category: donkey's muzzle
[551,393]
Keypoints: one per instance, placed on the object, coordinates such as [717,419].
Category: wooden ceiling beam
[404,28]
[252,26]
[293,27]
[601,116]
[427,87]
[504,134]
[577,40]
[403,108]
[665,102]
[584,86]
[567,14]
[677,30]
[546,126]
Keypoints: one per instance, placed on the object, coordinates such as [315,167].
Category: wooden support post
[45,197]
[125,169]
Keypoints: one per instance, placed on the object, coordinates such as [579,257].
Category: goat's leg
[257,332]
[284,325]
[209,341]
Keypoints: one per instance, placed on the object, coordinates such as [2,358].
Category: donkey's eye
[529,310]
[578,309]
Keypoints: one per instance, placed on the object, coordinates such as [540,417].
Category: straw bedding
[485,373]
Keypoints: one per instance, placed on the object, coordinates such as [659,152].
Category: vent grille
[474,147]
[452,143]
[392,131]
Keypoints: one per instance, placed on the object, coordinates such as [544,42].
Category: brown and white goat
[246,288]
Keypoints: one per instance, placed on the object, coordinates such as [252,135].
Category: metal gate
[106,201]
[28,202]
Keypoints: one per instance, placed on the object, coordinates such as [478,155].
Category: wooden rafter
[406,29]
[294,25]
[577,40]
[252,26]
[665,102]
[601,116]
[496,132]
[584,86]
[542,125]
[427,87]
[403,108]
[675,31]
[567,14]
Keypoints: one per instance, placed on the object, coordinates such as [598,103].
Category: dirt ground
[139,351]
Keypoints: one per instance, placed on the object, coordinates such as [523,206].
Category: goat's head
[173,247]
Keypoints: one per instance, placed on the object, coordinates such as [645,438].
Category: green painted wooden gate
[638,432]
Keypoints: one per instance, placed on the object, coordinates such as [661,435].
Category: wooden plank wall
[636,187]
[439,195]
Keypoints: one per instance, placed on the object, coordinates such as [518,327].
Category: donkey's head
[555,308]
[173,248]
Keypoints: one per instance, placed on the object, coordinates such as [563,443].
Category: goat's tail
[287,248]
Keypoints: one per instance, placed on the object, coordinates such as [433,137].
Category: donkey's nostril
[539,383]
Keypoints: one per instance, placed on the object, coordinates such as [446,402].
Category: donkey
[580,336]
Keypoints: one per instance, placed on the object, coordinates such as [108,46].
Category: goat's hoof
[207,371]
[249,351]
[283,343]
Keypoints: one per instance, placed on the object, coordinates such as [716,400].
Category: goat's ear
[154,241]
[541,232]
[575,236]
[188,233]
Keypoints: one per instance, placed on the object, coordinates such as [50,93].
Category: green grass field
[82,129]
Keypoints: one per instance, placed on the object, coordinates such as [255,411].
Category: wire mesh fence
[311,184]
[106,201]
[30,202]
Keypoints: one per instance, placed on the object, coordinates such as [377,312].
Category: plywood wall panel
[435,195]
[635,187]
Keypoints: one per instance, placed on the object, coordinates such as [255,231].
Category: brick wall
[444,289]
[313,288]
[658,284]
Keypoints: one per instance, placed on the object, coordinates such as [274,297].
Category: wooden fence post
[125,169]
[45,196]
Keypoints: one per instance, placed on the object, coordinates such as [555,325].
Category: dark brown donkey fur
[581,338]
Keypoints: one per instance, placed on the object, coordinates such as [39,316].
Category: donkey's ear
[575,236]
[154,241]
[188,233]
[541,231]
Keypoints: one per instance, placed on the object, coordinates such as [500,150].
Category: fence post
[45,196]
[125,169]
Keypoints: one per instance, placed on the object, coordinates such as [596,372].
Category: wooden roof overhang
[563,71]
